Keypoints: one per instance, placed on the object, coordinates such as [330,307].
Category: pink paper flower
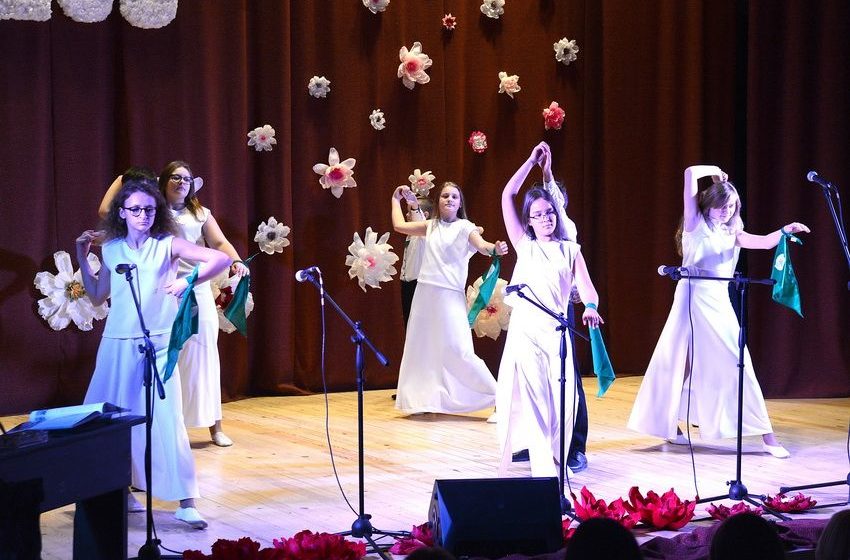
[449,22]
[784,504]
[307,545]
[413,65]
[420,536]
[478,141]
[589,507]
[421,183]
[262,138]
[722,512]
[662,512]
[336,175]
[553,116]
[508,84]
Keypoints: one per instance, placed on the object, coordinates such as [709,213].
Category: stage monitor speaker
[494,517]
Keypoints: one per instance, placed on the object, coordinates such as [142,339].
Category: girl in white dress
[439,370]
[139,232]
[695,363]
[529,389]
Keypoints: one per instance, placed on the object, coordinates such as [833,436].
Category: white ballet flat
[191,516]
[221,439]
[680,439]
[776,450]
[493,419]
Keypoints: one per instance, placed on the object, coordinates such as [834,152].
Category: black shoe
[393,396]
[578,462]
[520,456]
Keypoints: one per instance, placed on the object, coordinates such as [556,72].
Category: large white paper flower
[319,86]
[371,259]
[508,84]
[493,8]
[272,236]
[566,51]
[149,14]
[262,138]
[26,10]
[86,11]
[66,299]
[376,6]
[336,176]
[413,65]
[377,120]
[223,287]
[495,316]
[421,183]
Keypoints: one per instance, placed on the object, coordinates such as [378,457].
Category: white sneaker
[776,450]
[191,516]
[221,439]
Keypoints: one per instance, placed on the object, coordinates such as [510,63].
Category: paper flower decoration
[662,512]
[449,22]
[272,236]
[494,318]
[371,259]
[784,504]
[588,507]
[566,51]
[478,141]
[66,299]
[376,6]
[149,14]
[377,120]
[86,11]
[25,10]
[336,176]
[553,116]
[508,84]
[413,65]
[420,536]
[262,138]
[308,545]
[319,86]
[421,183]
[493,8]
[223,287]
[722,512]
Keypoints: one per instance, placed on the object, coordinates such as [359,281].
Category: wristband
[590,306]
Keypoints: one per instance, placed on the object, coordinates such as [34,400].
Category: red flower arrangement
[794,504]
[566,531]
[589,507]
[553,116]
[243,549]
[722,512]
[420,536]
[305,545]
[667,511]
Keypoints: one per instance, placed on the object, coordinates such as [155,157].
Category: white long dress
[712,347]
[528,398]
[439,370]
[199,363]
[119,369]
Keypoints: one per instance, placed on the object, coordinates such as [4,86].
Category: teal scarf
[185,324]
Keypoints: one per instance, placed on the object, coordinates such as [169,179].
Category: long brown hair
[191,201]
[717,195]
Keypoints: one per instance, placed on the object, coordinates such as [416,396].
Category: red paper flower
[307,545]
[243,549]
[662,512]
[589,507]
[722,512]
[478,141]
[449,22]
[566,531]
[553,116]
[794,504]
[420,536]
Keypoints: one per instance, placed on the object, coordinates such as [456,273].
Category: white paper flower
[421,183]
[508,84]
[371,261]
[223,287]
[493,8]
[262,138]
[86,11]
[66,299]
[495,316]
[25,10]
[377,120]
[566,51]
[319,86]
[413,65]
[149,14]
[376,6]
[336,176]
[272,236]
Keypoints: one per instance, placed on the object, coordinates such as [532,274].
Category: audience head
[834,542]
[430,553]
[601,538]
[746,536]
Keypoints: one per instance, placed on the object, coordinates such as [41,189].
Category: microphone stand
[737,490]
[563,325]
[362,527]
[149,550]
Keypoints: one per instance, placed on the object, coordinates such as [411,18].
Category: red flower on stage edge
[307,545]
[722,512]
[662,512]
[589,507]
[420,536]
[243,549]
[797,503]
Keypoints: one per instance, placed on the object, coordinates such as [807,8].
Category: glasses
[137,210]
[181,179]
[549,214]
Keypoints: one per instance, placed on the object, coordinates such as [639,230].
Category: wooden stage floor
[278,478]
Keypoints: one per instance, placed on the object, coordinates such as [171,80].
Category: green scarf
[485,292]
[601,363]
[235,311]
[185,324]
[785,291]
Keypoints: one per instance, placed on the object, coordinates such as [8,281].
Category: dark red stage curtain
[758,88]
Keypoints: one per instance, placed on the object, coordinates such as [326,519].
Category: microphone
[672,271]
[124,268]
[514,288]
[813,177]
[306,273]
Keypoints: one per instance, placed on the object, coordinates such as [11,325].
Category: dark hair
[138,172]
[116,226]
[746,536]
[531,196]
[834,542]
[191,201]
[461,211]
[430,553]
[601,538]
[426,205]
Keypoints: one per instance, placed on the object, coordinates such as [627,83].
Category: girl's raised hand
[500,247]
